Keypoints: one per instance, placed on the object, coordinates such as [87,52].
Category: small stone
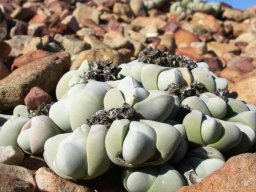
[114,25]
[115,40]
[184,38]
[16,175]
[246,37]
[237,174]
[36,97]
[250,50]
[36,43]
[44,72]
[215,64]
[71,23]
[208,21]
[28,57]
[123,11]
[94,42]
[231,74]
[99,54]
[85,31]
[240,28]
[83,12]
[233,14]
[48,181]
[137,36]
[200,47]
[11,155]
[20,28]
[73,45]
[18,43]
[167,40]
[136,6]
[149,31]
[5,51]
[190,52]
[23,13]
[37,30]
[4,72]
[171,26]
[39,18]
[145,21]
[220,48]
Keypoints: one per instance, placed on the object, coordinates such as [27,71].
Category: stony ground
[41,40]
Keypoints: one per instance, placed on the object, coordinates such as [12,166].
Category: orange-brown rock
[144,21]
[245,87]
[46,180]
[220,48]
[28,57]
[44,72]
[237,175]
[208,21]
[99,54]
[189,52]
[184,38]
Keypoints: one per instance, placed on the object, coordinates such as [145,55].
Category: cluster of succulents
[165,122]
[185,8]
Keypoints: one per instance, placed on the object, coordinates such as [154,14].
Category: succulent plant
[155,77]
[151,4]
[141,143]
[11,129]
[80,154]
[162,178]
[200,163]
[203,130]
[143,101]
[82,101]
[35,132]
[185,8]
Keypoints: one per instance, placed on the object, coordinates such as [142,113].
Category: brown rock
[137,36]
[18,43]
[33,163]
[4,72]
[16,173]
[23,13]
[28,57]
[5,51]
[8,183]
[251,50]
[73,45]
[20,28]
[238,174]
[167,40]
[189,52]
[48,181]
[233,14]
[36,97]
[215,64]
[115,40]
[44,72]
[83,12]
[136,6]
[37,30]
[94,42]
[96,55]
[149,31]
[71,23]
[123,11]
[240,28]
[184,38]
[144,21]
[39,18]
[11,155]
[36,43]
[220,48]
[114,25]
[171,26]
[245,88]
[208,21]
[231,74]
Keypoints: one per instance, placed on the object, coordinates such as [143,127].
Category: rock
[208,21]
[18,43]
[231,74]
[144,21]
[136,6]
[240,28]
[99,54]
[149,31]
[220,48]
[39,18]
[36,43]
[28,57]
[23,13]
[250,50]
[11,155]
[233,14]
[184,38]
[73,45]
[85,32]
[8,183]
[5,51]
[237,174]
[245,88]
[14,176]
[200,47]
[114,25]
[33,163]
[123,11]
[37,30]
[115,40]
[167,40]
[189,52]
[48,181]
[246,37]
[243,64]
[71,23]
[44,72]
[215,64]
[137,36]
[4,72]
[83,12]
[20,28]
[36,97]
[171,26]
[94,42]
